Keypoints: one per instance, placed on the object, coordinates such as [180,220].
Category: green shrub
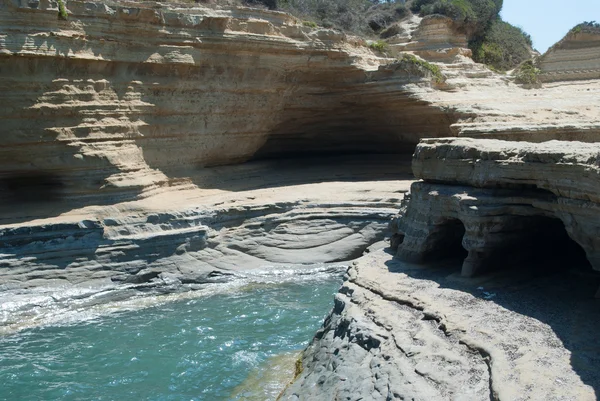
[363,17]
[502,46]
[309,24]
[62,10]
[378,45]
[528,74]
[471,16]
[411,62]
[589,26]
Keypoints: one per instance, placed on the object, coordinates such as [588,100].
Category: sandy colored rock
[575,57]
[260,216]
[123,98]
[126,97]
[113,123]
[437,39]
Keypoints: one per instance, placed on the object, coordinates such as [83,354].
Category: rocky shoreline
[163,148]
[458,307]
[187,238]
[405,331]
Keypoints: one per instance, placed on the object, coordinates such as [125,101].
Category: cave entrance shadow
[548,278]
[447,241]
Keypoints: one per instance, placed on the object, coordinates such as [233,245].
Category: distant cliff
[576,56]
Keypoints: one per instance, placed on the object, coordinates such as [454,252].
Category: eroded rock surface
[500,200]
[401,331]
[125,97]
[259,216]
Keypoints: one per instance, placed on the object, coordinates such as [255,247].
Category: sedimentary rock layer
[400,331]
[259,216]
[500,200]
[437,39]
[575,57]
[123,97]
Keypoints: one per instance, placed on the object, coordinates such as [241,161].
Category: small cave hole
[31,187]
[447,241]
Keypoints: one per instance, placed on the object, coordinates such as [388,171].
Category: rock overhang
[507,196]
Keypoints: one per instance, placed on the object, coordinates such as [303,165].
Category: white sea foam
[69,305]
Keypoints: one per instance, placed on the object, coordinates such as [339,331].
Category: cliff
[490,292]
[155,147]
[503,200]
[123,97]
[576,57]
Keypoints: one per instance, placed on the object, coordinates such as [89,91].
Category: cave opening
[542,244]
[446,241]
[352,122]
[31,187]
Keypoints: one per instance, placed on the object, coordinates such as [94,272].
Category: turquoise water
[192,349]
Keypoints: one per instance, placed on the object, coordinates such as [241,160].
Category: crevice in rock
[487,358]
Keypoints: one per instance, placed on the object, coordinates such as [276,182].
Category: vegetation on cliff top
[494,42]
[586,26]
[528,74]
[62,10]
[409,61]
[363,17]
[501,46]
[470,16]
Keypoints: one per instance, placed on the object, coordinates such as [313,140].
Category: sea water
[236,344]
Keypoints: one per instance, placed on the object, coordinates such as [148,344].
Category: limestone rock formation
[502,201]
[400,331]
[575,57]
[257,217]
[125,97]
[437,39]
[417,325]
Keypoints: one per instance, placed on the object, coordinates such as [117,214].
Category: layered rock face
[421,323]
[502,202]
[257,218]
[124,97]
[575,57]
[437,39]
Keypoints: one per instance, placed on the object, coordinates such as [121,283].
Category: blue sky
[547,21]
